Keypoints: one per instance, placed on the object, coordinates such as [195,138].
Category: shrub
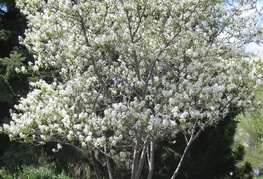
[32,173]
[40,173]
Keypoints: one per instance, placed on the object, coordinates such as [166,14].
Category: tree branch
[190,141]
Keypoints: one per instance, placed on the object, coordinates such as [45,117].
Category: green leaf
[11,63]
[5,35]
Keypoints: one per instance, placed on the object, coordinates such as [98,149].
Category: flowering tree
[133,73]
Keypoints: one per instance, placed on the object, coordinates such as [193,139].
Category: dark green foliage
[166,159]
[11,63]
[212,152]
[5,35]
[10,58]
[210,157]
[64,159]
[12,85]
[12,25]
[18,155]
[6,92]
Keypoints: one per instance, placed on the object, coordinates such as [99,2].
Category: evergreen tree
[12,85]
[212,156]
[250,134]
[15,85]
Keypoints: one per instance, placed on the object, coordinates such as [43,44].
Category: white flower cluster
[132,69]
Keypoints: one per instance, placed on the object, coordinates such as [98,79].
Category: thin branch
[186,139]
[140,15]
[128,16]
[96,70]
[190,141]
[137,65]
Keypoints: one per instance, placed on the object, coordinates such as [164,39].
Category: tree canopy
[133,73]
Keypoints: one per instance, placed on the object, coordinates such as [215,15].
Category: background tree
[211,156]
[134,74]
[12,85]
[250,134]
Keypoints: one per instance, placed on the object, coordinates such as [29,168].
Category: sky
[253,47]
[3,7]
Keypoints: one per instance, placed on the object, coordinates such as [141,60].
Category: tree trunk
[151,160]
